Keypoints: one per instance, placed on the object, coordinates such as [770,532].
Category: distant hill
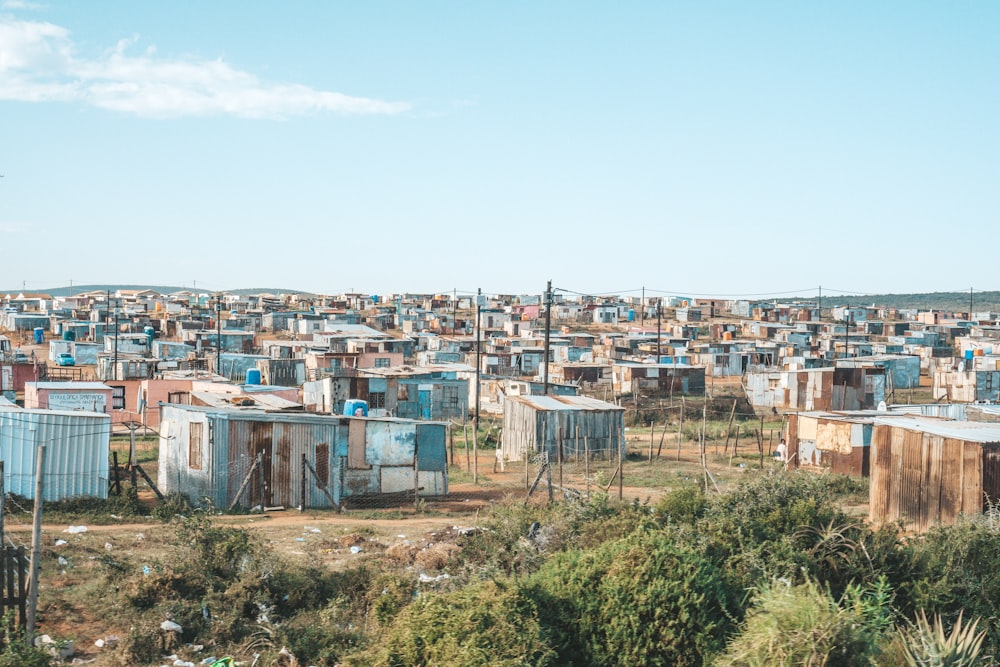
[163,289]
[948,301]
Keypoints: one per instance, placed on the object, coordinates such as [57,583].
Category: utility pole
[819,303]
[548,326]
[479,363]
[218,334]
[847,329]
[3,494]
[36,548]
[114,365]
[642,307]
[658,331]
[454,312]
[970,304]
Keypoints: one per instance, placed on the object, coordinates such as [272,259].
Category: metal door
[424,402]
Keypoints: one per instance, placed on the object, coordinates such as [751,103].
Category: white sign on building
[90,402]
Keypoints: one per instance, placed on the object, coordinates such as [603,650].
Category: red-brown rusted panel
[951,480]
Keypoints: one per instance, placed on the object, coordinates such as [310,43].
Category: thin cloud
[15,228]
[39,63]
[21,4]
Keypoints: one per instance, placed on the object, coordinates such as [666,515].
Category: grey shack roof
[565,403]
[982,432]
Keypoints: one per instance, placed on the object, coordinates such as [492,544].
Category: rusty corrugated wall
[924,479]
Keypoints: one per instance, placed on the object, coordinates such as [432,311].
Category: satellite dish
[882,407]
[961,367]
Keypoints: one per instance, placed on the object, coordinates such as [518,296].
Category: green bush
[490,623]
[16,652]
[790,626]
[786,525]
[174,504]
[684,504]
[954,569]
[648,599]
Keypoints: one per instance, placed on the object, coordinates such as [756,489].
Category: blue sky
[698,148]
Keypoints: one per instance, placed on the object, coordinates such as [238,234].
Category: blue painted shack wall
[232,439]
[448,399]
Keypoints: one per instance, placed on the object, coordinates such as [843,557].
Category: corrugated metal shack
[816,389]
[903,369]
[410,396]
[207,452]
[76,452]
[926,471]
[836,441]
[984,413]
[966,386]
[678,378]
[575,424]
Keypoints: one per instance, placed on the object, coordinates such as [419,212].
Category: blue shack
[208,453]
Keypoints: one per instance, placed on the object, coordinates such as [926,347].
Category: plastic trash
[59,543]
[146,570]
[170,626]
[76,530]
[355,550]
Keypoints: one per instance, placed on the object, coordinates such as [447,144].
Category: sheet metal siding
[76,456]
[925,479]
[529,429]
[432,454]
[991,473]
[856,464]
[174,473]
[236,438]
[879,486]
[282,445]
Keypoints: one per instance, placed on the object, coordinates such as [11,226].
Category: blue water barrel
[39,335]
[150,333]
[68,334]
[631,315]
[968,354]
[353,405]
[253,376]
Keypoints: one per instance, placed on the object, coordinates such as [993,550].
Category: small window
[117,397]
[195,433]
[449,397]
[376,400]
[382,362]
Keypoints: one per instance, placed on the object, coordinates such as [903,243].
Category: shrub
[174,504]
[490,623]
[648,599]
[790,626]
[954,569]
[684,504]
